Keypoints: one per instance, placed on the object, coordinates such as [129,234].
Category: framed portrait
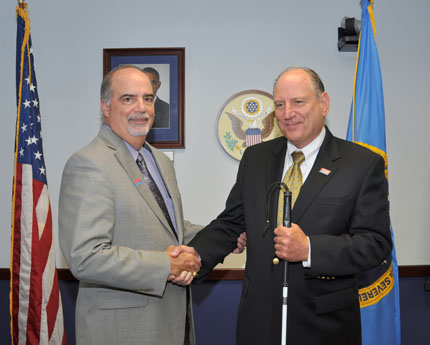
[166,69]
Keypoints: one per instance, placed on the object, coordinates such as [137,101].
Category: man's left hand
[241,243]
[184,279]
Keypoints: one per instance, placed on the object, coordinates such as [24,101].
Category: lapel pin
[138,181]
[325,171]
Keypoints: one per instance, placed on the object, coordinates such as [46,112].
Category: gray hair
[315,78]
[106,87]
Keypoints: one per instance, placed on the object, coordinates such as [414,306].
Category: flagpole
[21,3]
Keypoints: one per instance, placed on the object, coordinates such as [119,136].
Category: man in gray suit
[114,233]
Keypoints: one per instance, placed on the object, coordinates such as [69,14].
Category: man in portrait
[162,108]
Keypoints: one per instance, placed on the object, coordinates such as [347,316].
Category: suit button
[275,261]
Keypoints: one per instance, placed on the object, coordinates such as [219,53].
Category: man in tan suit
[114,233]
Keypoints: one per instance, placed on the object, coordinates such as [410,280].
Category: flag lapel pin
[325,171]
[138,181]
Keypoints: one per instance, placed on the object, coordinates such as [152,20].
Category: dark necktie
[154,189]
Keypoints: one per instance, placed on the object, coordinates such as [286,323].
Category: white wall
[230,46]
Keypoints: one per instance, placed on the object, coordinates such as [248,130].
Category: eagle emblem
[246,119]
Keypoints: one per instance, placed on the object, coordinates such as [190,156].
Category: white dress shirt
[310,151]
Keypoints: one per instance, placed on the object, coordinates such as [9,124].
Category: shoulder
[274,145]
[94,153]
[356,157]
[161,103]
[355,150]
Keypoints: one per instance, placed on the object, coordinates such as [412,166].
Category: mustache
[138,117]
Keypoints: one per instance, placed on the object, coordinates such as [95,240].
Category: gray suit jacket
[113,235]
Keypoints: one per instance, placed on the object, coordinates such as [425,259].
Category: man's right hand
[183,258]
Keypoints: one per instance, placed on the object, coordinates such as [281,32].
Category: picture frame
[169,64]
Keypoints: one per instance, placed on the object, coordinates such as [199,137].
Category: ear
[105,109]
[325,103]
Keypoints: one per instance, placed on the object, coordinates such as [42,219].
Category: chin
[139,132]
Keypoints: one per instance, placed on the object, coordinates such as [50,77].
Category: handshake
[184,264]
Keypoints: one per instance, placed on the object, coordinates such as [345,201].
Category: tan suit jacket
[113,235]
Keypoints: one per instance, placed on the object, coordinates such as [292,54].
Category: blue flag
[379,288]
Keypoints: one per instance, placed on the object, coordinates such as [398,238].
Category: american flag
[253,136]
[35,301]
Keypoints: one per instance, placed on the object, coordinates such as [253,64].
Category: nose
[141,106]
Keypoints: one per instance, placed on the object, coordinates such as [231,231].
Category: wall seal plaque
[246,118]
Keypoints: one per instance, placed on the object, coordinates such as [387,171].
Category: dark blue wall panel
[4,312]
[215,311]
[415,311]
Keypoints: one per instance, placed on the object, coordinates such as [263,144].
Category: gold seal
[246,118]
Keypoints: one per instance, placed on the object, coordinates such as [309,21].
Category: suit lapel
[323,170]
[171,187]
[276,163]
[274,166]
[130,167]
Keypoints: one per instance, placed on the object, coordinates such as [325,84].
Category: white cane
[287,223]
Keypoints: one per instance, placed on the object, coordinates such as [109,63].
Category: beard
[138,129]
